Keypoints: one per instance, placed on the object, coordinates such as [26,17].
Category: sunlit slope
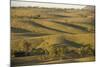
[44,28]
[46,42]
[50,27]
[32,27]
[51,21]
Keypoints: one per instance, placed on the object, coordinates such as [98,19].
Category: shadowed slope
[46,27]
[32,34]
[72,25]
[19,30]
[72,43]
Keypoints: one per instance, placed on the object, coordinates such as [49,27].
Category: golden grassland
[40,35]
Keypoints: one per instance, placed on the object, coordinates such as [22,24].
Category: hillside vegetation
[50,34]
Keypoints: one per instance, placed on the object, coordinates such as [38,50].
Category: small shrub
[19,54]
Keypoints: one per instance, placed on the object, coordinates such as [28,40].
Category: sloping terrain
[52,30]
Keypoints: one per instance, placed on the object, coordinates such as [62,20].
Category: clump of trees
[19,53]
[64,52]
[38,51]
[56,51]
[83,51]
[28,50]
[87,50]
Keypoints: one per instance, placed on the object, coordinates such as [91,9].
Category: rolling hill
[52,30]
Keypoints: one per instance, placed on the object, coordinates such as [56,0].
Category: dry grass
[46,28]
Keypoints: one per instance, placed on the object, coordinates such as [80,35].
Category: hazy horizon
[48,5]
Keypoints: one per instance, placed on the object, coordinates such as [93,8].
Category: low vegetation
[50,34]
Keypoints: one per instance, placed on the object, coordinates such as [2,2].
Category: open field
[51,35]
